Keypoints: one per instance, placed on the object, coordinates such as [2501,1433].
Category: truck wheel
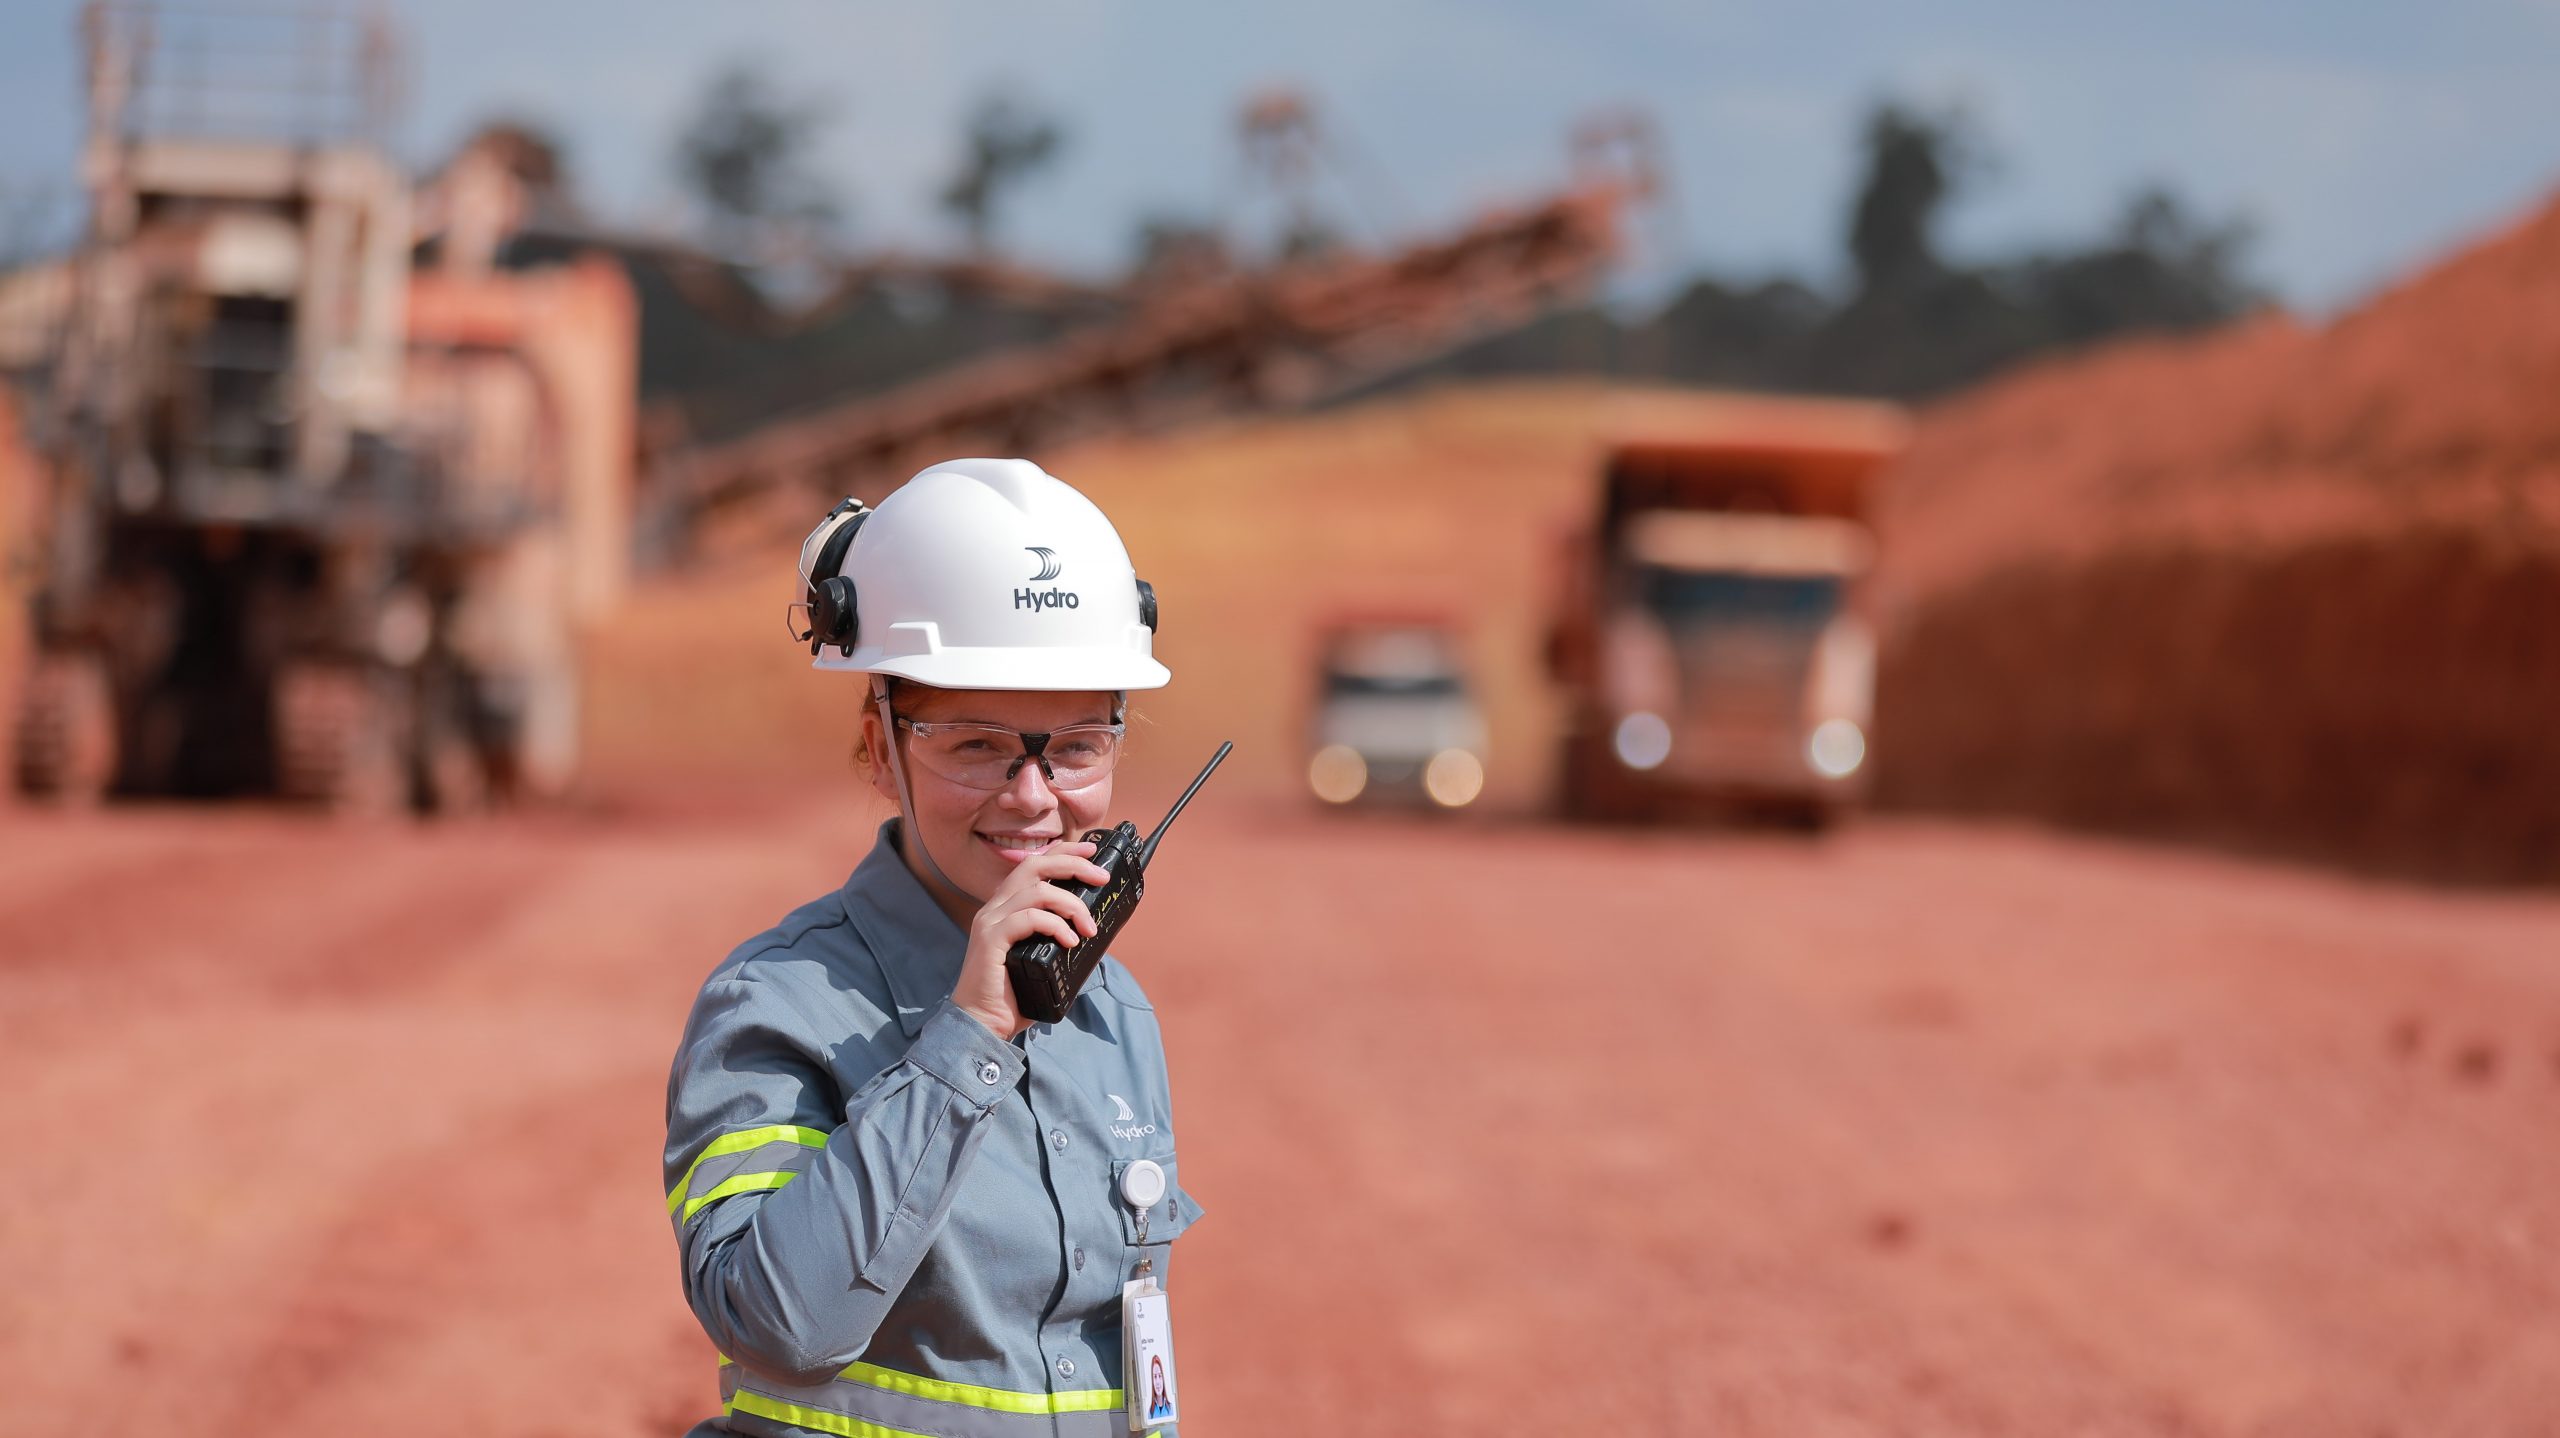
[65,737]
[533,732]
[455,773]
[452,763]
[1588,786]
[1809,816]
[338,741]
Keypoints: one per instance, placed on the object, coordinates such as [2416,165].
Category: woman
[900,1202]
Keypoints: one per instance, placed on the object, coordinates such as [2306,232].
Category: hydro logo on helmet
[930,586]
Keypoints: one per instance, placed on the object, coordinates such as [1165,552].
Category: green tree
[1175,250]
[1915,163]
[745,155]
[1005,144]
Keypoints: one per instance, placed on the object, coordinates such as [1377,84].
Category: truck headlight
[1643,740]
[1337,773]
[1453,778]
[1836,749]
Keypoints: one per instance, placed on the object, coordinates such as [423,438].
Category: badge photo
[1154,1397]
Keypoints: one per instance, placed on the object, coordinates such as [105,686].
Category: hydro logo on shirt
[1128,1127]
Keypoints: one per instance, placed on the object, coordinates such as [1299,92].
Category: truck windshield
[1740,645]
[1342,685]
[1684,599]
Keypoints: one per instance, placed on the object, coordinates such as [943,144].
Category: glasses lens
[983,756]
[1082,755]
[973,754]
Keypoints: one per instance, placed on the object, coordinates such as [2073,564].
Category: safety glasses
[989,756]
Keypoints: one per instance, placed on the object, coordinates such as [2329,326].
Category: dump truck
[285,545]
[1709,635]
[1394,720]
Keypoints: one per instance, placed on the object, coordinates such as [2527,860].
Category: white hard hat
[980,574]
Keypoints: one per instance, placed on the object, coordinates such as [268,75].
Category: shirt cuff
[966,1056]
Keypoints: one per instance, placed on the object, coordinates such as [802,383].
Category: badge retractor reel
[1046,974]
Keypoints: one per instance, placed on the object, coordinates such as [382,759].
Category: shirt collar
[917,946]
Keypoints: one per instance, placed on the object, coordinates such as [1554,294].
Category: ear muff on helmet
[1147,605]
[832,618]
[830,601]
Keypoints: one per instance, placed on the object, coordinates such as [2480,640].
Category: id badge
[1146,1327]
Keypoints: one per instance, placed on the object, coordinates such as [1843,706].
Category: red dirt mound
[2279,587]
[17,545]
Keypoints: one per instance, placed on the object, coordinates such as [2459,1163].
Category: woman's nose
[1030,792]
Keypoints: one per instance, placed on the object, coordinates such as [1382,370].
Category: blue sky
[2361,138]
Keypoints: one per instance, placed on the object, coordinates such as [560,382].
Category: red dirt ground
[1916,1130]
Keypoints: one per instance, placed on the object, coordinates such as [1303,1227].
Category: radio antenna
[1147,854]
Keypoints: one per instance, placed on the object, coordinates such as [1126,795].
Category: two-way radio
[1046,974]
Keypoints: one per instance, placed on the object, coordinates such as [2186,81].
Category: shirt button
[1058,1139]
[1079,1260]
[988,1073]
[1066,1366]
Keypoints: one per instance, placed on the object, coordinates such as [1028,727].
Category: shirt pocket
[1173,1213]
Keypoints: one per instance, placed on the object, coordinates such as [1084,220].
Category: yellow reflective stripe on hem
[1003,1400]
[816,1419]
[741,1183]
[740,1142]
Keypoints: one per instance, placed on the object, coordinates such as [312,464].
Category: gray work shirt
[893,1222]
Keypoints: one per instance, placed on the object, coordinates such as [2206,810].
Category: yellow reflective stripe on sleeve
[739,1183]
[814,1419]
[740,1142]
[1003,1400]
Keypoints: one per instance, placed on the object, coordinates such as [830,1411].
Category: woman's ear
[873,751]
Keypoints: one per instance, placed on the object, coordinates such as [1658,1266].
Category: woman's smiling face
[976,836]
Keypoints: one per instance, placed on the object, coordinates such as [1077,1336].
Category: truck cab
[1394,719]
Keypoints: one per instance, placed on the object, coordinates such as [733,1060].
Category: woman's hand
[1028,903]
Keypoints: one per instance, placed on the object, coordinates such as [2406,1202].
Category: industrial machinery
[1294,333]
[282,549]
[1394,721]
[1709,636]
